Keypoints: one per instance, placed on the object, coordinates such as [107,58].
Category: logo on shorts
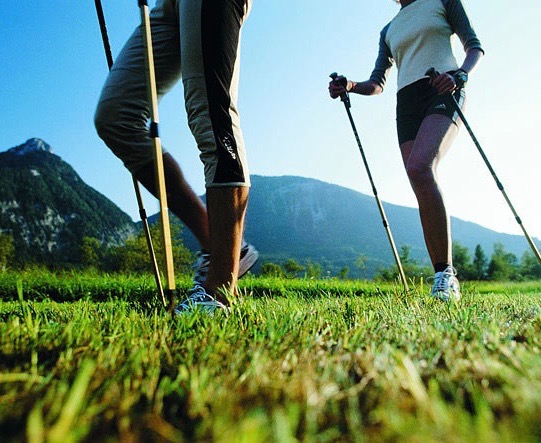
[229,147]
[441,107]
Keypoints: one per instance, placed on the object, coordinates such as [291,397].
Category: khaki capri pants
[198,41]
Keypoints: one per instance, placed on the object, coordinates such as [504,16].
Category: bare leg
[226,211]
[421,158]
[181,198]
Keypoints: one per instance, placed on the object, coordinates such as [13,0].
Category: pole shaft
[103,28]
[378,201]
[495,177]
[150,245]
[158,153]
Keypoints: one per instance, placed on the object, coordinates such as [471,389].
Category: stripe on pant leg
[221,22]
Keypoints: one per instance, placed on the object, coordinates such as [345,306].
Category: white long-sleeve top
[419,38]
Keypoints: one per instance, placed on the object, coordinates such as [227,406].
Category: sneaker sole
[248,261]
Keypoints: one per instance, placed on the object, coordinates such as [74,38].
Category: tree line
[133,257]
[90,253]
[500,266]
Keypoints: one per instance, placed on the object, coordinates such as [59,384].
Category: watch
[461,77]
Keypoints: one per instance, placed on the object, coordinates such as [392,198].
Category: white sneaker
[446,285]
[199,299]
[248,257]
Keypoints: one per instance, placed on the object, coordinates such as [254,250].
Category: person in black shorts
[419,38]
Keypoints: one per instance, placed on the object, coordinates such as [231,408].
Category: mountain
[48,209]
[306,219]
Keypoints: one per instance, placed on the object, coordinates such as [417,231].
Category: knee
[420,176]
[126,136]
[104,122]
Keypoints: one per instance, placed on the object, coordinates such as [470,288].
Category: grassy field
[94,358]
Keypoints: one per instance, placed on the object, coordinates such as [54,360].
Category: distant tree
[313,270]
[480,264]
[530,268]
[134,256]
[7,250]
[271,270]
[404,255]
[462,261]
[503,264]
[343,273]
[292,268]
[91,252]
[411,267]
[360,262]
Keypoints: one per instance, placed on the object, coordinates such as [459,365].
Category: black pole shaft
[138,196]
[347,105]
[103,29]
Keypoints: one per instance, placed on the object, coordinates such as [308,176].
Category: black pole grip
[432,73]
[343,80]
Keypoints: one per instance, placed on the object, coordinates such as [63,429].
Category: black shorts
[416,101]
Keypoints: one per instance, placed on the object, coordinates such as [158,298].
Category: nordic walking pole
[158,155]
[433,73]
[347,104]
[142,212]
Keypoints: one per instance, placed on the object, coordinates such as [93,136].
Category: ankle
[440,267]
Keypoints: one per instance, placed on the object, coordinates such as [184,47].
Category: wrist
[350,87]
[461,77]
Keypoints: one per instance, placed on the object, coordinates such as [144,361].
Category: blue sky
[52,66]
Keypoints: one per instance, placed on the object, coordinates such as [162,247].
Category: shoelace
[199,295]
[441,279]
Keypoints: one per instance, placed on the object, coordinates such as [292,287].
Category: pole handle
[432,73]
[343,81]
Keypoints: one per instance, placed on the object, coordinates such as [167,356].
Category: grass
[295,360]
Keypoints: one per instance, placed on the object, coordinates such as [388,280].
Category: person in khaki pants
[198,41]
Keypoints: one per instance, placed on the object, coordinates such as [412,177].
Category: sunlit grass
[293,361]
